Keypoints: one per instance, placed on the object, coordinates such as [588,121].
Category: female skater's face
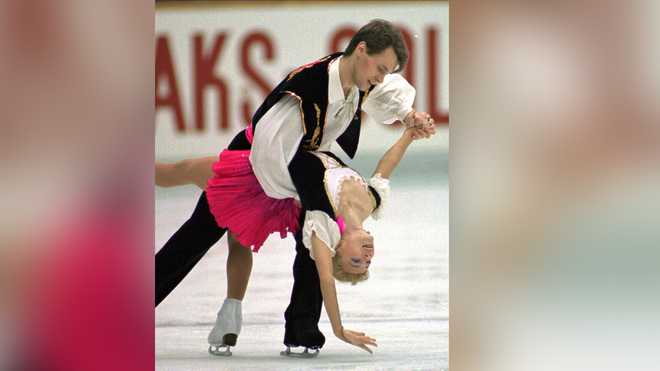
[371,69]
[356,251]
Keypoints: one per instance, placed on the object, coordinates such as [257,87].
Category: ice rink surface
[404,305]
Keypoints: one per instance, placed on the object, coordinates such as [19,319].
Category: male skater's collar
[335,91]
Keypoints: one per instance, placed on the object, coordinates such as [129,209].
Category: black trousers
[185,248]
[306,299]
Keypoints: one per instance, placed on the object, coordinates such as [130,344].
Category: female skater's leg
[190,171]
[229,320]
[239,267]
[187,246]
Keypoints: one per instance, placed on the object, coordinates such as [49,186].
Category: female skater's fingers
[366,348]
[420,133]
[354,332]
[359,339]
[371,342]
[367,340]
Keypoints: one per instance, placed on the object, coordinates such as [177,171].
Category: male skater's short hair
[341,275]
[379,35]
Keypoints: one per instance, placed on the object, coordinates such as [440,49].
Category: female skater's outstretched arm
[391,158]
[323,259]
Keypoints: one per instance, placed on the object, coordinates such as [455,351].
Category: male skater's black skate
[304,310]
[302,333]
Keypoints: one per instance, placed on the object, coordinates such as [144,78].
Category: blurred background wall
[216,61]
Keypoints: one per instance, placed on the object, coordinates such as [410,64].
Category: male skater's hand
[359,339]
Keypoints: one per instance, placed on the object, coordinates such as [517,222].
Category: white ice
[404,305]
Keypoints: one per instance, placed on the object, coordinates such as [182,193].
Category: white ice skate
[227,327]
[304,354]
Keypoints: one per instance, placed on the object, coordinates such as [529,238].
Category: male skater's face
[371,69]
[357,250]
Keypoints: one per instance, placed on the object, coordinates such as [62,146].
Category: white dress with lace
[322,224]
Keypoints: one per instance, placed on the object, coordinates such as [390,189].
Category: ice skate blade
[305,354]
[220,350]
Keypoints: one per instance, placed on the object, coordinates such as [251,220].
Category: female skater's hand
[359,339]
[419,125]
[419,132]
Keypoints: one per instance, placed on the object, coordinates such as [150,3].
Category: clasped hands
[421,123]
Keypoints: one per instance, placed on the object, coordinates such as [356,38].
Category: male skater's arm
[391,102]
[323,261]
[276,139]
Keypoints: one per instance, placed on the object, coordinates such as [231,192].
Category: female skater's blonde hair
[343,276]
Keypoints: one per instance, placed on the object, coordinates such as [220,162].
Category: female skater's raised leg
[190,171]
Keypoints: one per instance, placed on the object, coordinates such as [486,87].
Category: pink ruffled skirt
[239,204]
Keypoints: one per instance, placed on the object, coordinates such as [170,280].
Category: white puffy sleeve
[275,141]
[382,186]
[390,100]
[325,228]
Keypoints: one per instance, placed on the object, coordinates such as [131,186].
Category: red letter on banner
[340,36]
[165,69]
[409,71]
[256,37]
[204,77]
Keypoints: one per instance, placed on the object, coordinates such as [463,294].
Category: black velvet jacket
[309,85]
